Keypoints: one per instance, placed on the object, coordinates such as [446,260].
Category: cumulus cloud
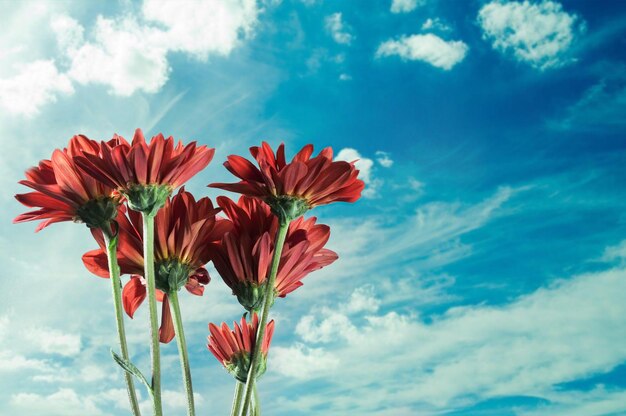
[302,362]
[536,33]
[338,29]
[405,6]
[36,84]
[124,55]
[203,28]
[427,48]
[128,53]
[364,165]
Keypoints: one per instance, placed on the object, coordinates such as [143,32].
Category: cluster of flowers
[261,245]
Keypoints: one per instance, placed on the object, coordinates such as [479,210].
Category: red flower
[184,230]
[313,181]
[233,347]
[65,193]
[146,173]
[244,254]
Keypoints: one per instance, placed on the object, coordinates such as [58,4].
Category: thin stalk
[148,260]
[267,304]
[237,399]
[182,350]
[257,402]
[116,284]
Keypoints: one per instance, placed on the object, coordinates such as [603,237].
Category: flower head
[244,254]
[185,229]
[146,173]
[233,347]
[63,192]
[292,188]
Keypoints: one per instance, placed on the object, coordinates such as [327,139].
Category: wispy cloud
[467,354]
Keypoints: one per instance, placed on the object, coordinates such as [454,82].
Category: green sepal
[98,213]
[130,368]
[251,296]
[171,275]
[287,208]
[239,366]
[147,199]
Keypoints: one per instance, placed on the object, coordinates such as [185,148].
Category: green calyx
[287,208]
[147,199]
[171,275]
[98,213]
[239,366]
[251,296]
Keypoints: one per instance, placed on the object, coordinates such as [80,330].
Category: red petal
[96,262]
[166,331]
[133,294]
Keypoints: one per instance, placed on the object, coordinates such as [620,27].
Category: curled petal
[133,294]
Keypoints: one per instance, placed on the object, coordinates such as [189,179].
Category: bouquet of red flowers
[261,245]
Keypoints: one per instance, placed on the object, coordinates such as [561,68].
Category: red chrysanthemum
[65,193]
[244,254]
[146,173]
[233,347]
[305,181]
[185,229]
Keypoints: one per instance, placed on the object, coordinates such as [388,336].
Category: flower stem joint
[147,199]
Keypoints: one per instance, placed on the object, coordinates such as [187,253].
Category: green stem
[116,284]
[148,260]
[237,399]
[267,304]
[182,350]
[257,402]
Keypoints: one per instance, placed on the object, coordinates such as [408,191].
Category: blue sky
[483,272]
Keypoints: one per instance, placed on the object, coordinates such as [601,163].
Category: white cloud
[435,24]
[345,77]
[536,33]
[54,342]
[362,300]
[203,28]
[124,55]
[36,84]
[616,252]
[364,165]
[10,361]
[405,6]
[556,334]
[338,29]
[64,402]
[427,48]
[383,159]
[301,362]
[600,401]
[69,33]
